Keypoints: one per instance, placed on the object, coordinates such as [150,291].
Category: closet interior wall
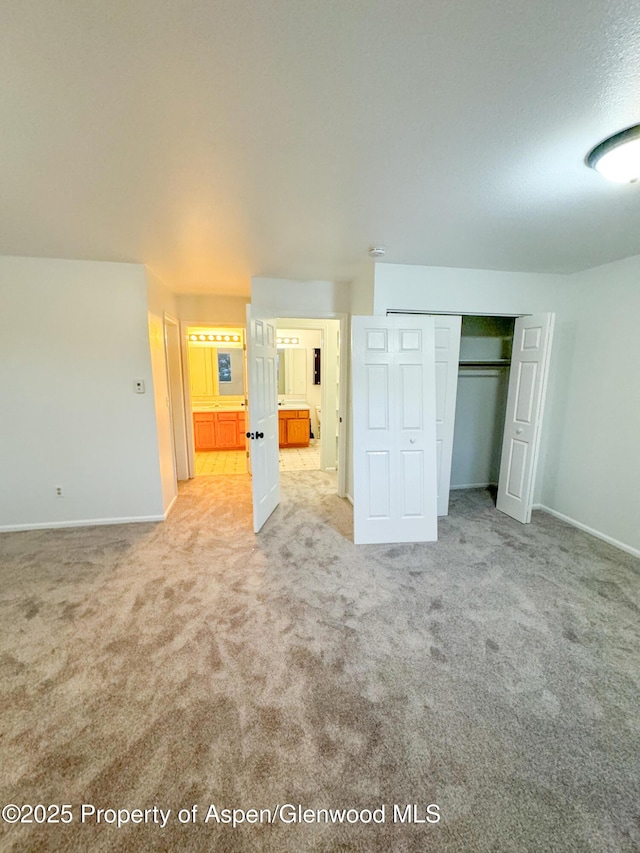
[483,379]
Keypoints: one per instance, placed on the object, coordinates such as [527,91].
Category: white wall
[73,339]
[362,290]
[160,298]
[209,309]
[465,291]
[592,471]
[288,298]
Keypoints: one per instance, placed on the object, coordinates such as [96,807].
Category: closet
[483,379]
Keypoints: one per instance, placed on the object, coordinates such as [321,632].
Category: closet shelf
[498,362]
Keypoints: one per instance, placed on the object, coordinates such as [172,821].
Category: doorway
[380,479]
[507,360]
[217,399]
[177,411]
[264,411]
[309,394]
[481,401]
[300,356]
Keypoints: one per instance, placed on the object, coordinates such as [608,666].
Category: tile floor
[211,462]
[300,458]
[221,462]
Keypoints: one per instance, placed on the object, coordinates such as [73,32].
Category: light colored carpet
[494,674]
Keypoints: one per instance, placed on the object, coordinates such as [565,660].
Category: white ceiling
[218,139]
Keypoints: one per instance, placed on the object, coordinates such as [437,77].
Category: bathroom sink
[294,406]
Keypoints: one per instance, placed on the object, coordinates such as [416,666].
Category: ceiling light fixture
[618,157]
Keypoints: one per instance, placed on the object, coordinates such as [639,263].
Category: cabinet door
[282,430]
[241,440]
[200,372]
[203,431]
[226,430]
[298,431]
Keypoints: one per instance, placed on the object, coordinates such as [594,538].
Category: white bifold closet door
[447,357]
[394,429]
[525,404]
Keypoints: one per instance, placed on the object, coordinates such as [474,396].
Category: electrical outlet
[138,386]
[59,492]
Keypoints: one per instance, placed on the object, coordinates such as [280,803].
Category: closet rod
[503,362]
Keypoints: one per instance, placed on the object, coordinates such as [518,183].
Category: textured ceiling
[218,140]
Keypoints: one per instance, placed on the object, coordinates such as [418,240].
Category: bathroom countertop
[238,408]
[213,408]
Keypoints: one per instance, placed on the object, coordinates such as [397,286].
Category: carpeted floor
[494,674]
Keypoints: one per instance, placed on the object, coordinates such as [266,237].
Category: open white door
[263,416]
[525,401]
[394,429]
[447,341]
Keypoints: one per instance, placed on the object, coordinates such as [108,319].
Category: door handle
[519,430]
[254,435]
[259,435]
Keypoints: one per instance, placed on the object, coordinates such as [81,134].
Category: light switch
[138,386]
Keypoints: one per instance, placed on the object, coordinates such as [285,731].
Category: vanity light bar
[287,340]
[217,338]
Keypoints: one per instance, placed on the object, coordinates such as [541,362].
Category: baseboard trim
[349,498]
[472,486]
[88,522]
[170,507]
[635,552]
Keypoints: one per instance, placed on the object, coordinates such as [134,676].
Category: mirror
[292,371]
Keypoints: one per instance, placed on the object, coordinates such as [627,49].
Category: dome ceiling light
[618,157]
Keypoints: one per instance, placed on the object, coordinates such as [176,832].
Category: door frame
[186,380]
[315,321]
[175,386]
[513,316]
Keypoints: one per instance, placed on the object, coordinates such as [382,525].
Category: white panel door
[525,402]
[263,416]
[447,345]
[394,429]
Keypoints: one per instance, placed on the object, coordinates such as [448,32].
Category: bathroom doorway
[309,394]
[217,390]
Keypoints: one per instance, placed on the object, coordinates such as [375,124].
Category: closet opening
[481,401]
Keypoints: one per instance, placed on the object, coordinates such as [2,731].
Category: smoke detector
[377,252]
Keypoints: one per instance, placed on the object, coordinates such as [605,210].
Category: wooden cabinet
[293,427]
[219,430]
[204,431]
[226,430]
[282,430]
[201,372]
[298,431]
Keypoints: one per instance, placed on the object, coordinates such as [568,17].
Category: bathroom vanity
[224,428]
[219,429]
[294,427]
